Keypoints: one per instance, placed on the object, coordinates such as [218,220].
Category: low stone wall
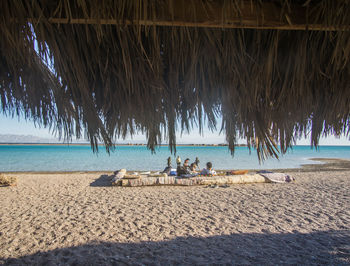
[192,181]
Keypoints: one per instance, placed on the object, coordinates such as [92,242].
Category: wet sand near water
[78,218]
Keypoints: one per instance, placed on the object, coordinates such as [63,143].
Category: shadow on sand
[102,181]
[330,247]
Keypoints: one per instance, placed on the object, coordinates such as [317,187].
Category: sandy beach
[79,219]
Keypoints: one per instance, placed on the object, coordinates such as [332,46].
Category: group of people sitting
[194,169]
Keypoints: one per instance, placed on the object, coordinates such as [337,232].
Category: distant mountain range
[25,139]
[10,138]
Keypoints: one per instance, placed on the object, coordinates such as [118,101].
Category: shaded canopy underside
[274,70]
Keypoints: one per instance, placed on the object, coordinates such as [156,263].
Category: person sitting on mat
[193,168]
[185,169]
[209,170]
[187,165]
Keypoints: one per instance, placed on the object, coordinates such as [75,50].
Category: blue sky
[19,126]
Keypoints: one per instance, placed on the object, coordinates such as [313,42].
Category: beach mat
[238,172]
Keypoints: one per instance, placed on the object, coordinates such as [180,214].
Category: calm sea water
[81,158]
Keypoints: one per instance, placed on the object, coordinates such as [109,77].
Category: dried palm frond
[7,180]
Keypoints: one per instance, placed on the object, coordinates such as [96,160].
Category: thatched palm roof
[275,70]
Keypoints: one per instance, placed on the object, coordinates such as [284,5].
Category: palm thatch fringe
[109,80]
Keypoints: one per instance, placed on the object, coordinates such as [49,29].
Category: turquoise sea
[81,157]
